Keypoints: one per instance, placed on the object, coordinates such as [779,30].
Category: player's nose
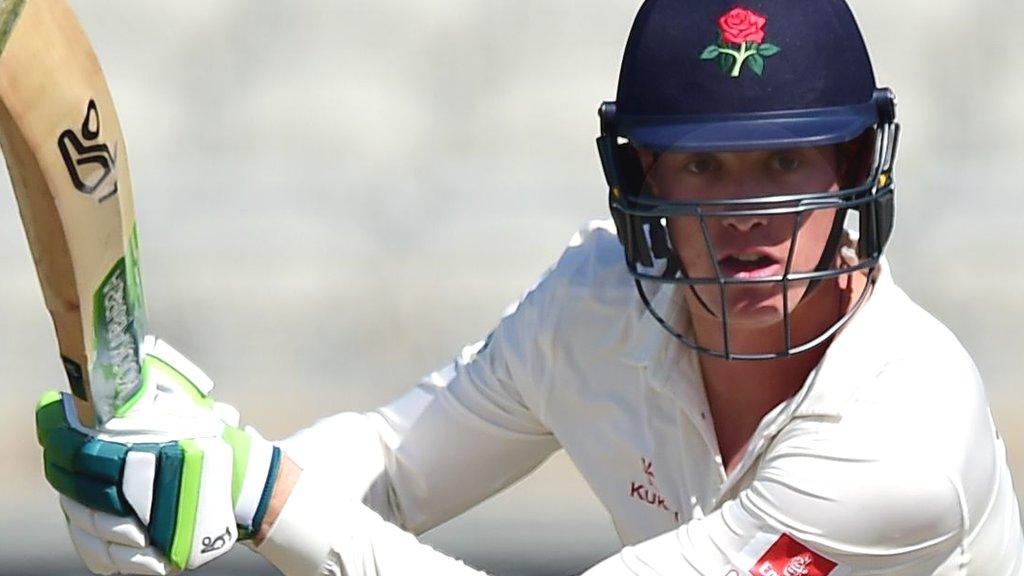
[744,224]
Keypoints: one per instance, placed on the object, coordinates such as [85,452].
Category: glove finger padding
[92,551]
[111,544]
[102,557]
[107,527]
[148,561]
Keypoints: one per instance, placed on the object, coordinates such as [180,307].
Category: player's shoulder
[586,302]
[899,384]
[895,354]
[590,273]
[587,290]
[908,403]
[593,260]
[920,362]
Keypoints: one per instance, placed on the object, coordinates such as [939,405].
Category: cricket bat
[65,154]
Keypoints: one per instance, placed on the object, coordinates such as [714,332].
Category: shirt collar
[671,366]
[650,341]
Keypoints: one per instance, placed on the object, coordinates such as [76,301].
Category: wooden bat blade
[64,150]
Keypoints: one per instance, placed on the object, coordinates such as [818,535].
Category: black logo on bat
[212,544]
[75,377]
[91,165]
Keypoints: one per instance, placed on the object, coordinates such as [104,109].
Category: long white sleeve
[319,533]
[466,432]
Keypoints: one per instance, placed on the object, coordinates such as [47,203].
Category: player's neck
[740,393]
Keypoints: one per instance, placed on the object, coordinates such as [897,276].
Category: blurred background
[334,196]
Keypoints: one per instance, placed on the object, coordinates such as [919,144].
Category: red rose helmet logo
[741,41]
[740,25]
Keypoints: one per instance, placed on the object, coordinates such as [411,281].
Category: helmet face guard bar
[642,219]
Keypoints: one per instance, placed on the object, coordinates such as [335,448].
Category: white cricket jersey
[885,462]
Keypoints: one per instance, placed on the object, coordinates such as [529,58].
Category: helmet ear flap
[645,238]
[638,249]
[877,217]
[631,174]
[885,215]
[625,176]
[659,239]
[876,221]
[651,237]
[856,158]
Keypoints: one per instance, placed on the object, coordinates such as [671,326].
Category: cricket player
[728,361]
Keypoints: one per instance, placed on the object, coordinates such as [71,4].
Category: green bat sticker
[119,320]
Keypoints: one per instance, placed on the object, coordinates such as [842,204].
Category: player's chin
[754,305]
[755,310]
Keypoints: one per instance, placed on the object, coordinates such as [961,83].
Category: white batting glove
[169,484]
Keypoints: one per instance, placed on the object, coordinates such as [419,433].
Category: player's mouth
[750,264]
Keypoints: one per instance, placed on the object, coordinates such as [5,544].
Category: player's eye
[700,165]
[785,162]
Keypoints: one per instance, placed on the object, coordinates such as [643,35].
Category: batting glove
[169,484]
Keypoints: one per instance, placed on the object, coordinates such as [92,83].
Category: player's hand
[169,484]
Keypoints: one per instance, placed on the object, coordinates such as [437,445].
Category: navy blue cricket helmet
[716,76]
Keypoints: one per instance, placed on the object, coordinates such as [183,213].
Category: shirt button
[703,416]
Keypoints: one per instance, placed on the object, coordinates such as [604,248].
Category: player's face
[745,246]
